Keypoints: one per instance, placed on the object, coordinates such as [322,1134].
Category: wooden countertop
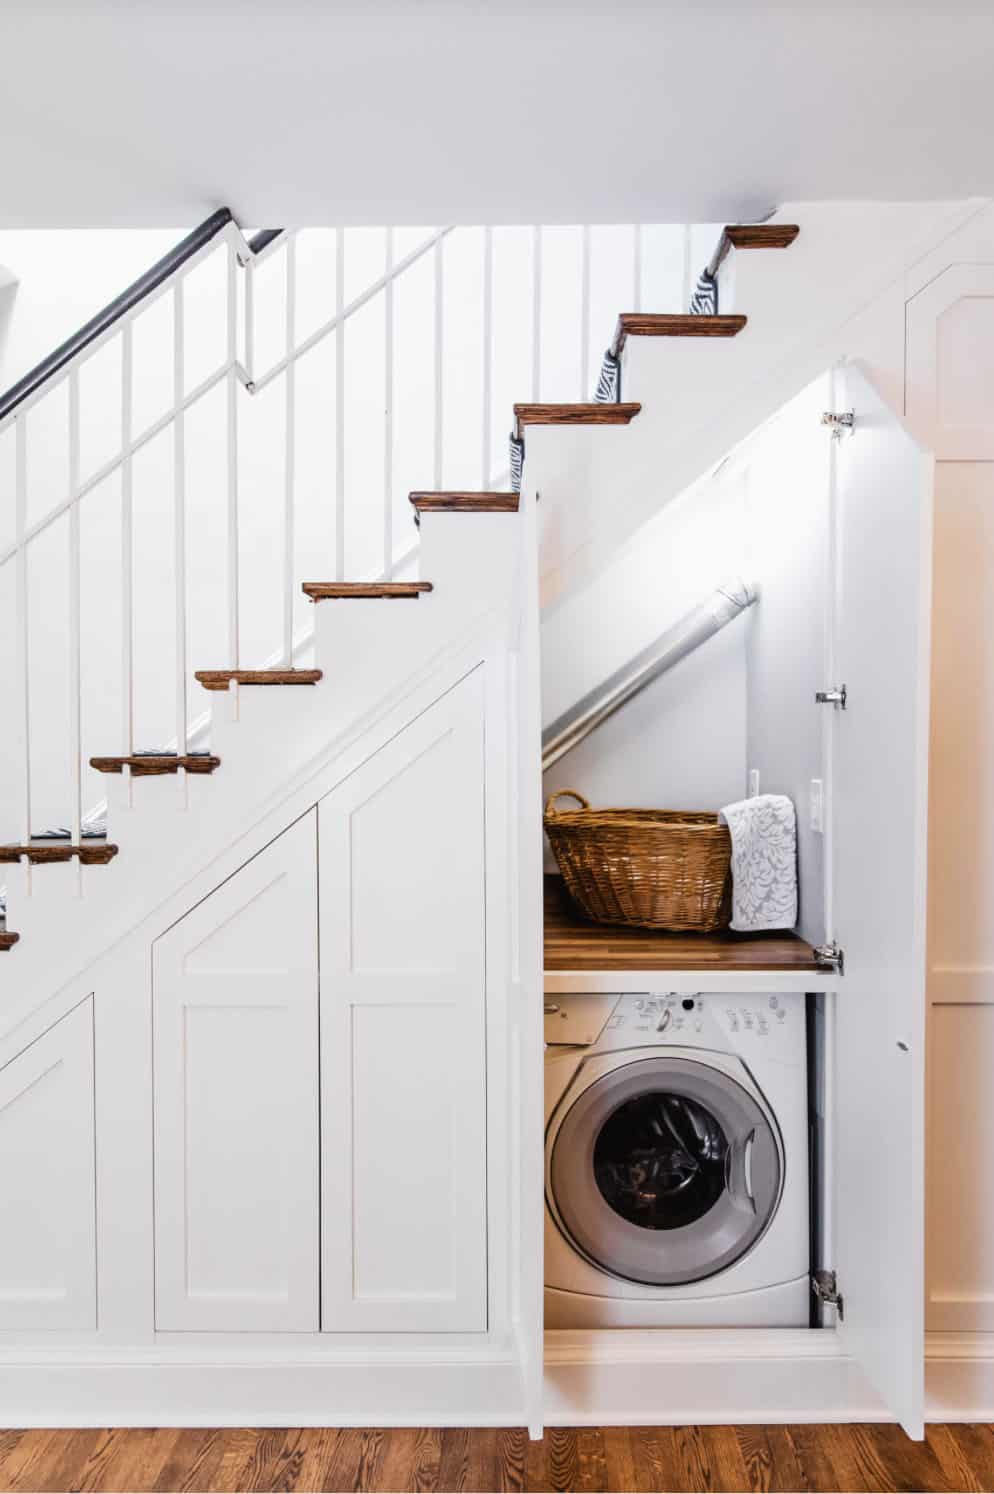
[571,943]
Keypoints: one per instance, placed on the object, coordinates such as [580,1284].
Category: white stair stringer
[374,654]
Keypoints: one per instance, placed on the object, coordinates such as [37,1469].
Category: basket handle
[565,794]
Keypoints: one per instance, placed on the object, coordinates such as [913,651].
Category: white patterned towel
[764,863]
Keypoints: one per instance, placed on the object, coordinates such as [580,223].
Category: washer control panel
[705,1020]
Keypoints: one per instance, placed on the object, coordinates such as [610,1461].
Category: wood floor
[594,1458]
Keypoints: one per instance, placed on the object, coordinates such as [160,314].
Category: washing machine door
[665,1170]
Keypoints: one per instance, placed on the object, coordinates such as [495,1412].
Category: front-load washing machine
[676,1162]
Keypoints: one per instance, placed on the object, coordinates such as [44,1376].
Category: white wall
[62,278]
[681,744]
[787,478]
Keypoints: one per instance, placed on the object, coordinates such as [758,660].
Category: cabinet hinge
[834,697]
[838,421]
[825,1286]
[830,957]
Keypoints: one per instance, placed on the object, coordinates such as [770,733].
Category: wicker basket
[651,868]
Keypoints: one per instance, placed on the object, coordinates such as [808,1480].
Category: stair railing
[238,370]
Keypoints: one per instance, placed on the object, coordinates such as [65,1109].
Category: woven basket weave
[650,868]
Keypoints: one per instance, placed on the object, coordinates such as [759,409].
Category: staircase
[171,807]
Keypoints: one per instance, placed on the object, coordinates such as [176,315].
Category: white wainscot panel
[951,363]
[48,1263]
[236,1103]
[402,1031]
[960,1250]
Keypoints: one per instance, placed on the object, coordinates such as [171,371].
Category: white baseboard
[959,1377]
[87,1393]
[620,1378]
[708,1376]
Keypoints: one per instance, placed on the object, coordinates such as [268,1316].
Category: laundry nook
[473,951]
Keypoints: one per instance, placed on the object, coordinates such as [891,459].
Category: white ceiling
[146,112]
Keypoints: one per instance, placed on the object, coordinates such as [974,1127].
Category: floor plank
[976,1445]
[951,1459]
[806,1459]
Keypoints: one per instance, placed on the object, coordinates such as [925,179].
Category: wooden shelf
[571,943]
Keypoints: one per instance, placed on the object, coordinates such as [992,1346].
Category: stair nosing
[673,324]
[344,591]
[464,501]
[155,765]
[40,853]
[221,679]
[583,412]
[761,235]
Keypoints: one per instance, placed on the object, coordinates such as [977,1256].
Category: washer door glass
[665,1171]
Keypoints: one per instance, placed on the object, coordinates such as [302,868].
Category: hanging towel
[764,863]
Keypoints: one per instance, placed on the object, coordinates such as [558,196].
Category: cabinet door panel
[236,1107]
[47,1181]
[402,1031]
[879,751]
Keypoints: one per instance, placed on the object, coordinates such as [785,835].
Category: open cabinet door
[879,747]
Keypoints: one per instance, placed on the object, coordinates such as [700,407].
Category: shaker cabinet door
[404,1244]
[235,1057]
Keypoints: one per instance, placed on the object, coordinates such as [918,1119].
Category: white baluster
[339,405]
[250,321]
[127,552]
[439,350]
[75,713]
[388,398]
[22,654]
[179,520]
[536,311]
[289,449]
[488,353]
[232,440]
[585,313]
[687,269]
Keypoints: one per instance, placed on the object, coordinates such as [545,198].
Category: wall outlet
[753,783]
[817,803]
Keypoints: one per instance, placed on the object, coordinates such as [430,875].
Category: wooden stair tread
[761,235]
[323,591]
[574,414]
[465,503]
[7,941]
[220,679]
[573,943]
[149,766]
[43,852]
[672,324]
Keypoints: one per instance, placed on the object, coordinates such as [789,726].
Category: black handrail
[143,286]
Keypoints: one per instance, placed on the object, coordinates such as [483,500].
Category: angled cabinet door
[235,1060]
[48,1266]
[404,1245]
[879,755]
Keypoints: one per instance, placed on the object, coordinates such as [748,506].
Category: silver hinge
[836,697]
[838,421]
[830,957]
[826,1288]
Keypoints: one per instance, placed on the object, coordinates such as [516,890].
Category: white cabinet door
[403,1073]
[879,752]
[48,1256]
[236,1100]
